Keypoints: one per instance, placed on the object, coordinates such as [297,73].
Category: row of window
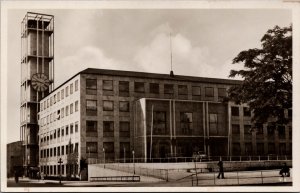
[61,113]
[60,132]
[58,151]
[60,95]
[139,87]
[108,128]
[249,150]
[91,106]
[71,169]
[108,147]
[247,113]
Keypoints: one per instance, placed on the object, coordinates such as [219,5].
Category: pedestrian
[16,177]
[221,169]
[285,170]
[42,175]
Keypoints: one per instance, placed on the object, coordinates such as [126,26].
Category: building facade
[15,156]
[107,116]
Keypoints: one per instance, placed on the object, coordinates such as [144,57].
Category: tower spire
[171,56]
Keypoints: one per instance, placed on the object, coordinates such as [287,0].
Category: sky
[204,42]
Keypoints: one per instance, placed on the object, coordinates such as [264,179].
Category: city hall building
[106,115]
[112,116]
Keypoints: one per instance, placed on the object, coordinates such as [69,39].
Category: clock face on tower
[40,82]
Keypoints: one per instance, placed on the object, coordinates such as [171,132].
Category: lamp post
[133,162]
[104,156]
[60,162]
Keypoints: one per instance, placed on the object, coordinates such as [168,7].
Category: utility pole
[133,162]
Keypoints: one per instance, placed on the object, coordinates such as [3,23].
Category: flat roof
[147,75]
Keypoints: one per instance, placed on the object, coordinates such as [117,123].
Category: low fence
[116,179]
[240,178]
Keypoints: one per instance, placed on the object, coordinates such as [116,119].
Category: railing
[240,177]
[116,179]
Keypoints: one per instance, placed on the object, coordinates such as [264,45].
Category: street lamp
[104,156]
[60,162]
[133,162]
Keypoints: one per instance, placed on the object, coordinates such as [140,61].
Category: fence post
[262,179]
[237,176]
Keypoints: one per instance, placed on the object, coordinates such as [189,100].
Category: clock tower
[37,75]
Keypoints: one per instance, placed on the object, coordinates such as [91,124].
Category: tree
[267,84]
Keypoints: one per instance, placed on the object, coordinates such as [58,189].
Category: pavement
[241,178]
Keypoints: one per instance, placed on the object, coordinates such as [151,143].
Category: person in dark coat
[221,169]
[16,177]
[285,170]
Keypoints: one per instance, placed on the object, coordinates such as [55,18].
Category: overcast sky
[204,42]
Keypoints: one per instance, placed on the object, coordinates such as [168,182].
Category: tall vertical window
[58,96]
[91,126]
[169,89]
[109,150]
[108,128]
[76,85]
[124,128]
[108,85]
[139,87]
[186,123]
[62,94]
[91,107]
[91,86]
[71,128]
[159,122]
[67,91]
[71,108]
[281,132]
[54,99]
[108,105]
[124,88]
[154,88]
[76,106]
[62,131]
[62,112]
[76,127]
[209,92]
[67,110]
[221,93]
[67,129]
[124,106]
[247,112]
[213,124]
[71,88]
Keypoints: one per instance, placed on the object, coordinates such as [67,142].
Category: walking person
[221,169]
[16,177]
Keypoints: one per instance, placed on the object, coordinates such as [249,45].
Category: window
[169,89]
[71,108]
[248,148]
[125,150]
[209,92]
[67,149]
[50,152]
[91,147]
[62,131]
[41,107]
[236,149]
[108,105]
[271,148]
[221,93]
[91,107]
[71,128]
[108,85]
[58,114]
[235,129]
[271,129]
[247,112]
[54,99]
[67,129]
[235,111]
[76,127]
[182,89]
[281,132]
[91,86]
[259,128]
[154,88]
[71,88]
[58,132]
[139,87]
[108,128]
[123,88]
[109,147]
[213,123]
[248,131]
[159,122]
[67,110]
[47,103]
[67,91]
[76,85]
[124,106]
[54,151]
[76,148]
[124,129]
[62,94]
[62,112]
[51,101]
[91,126]
[76,106]
[186,123]
[282,149]
[260,148]
[62,150]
